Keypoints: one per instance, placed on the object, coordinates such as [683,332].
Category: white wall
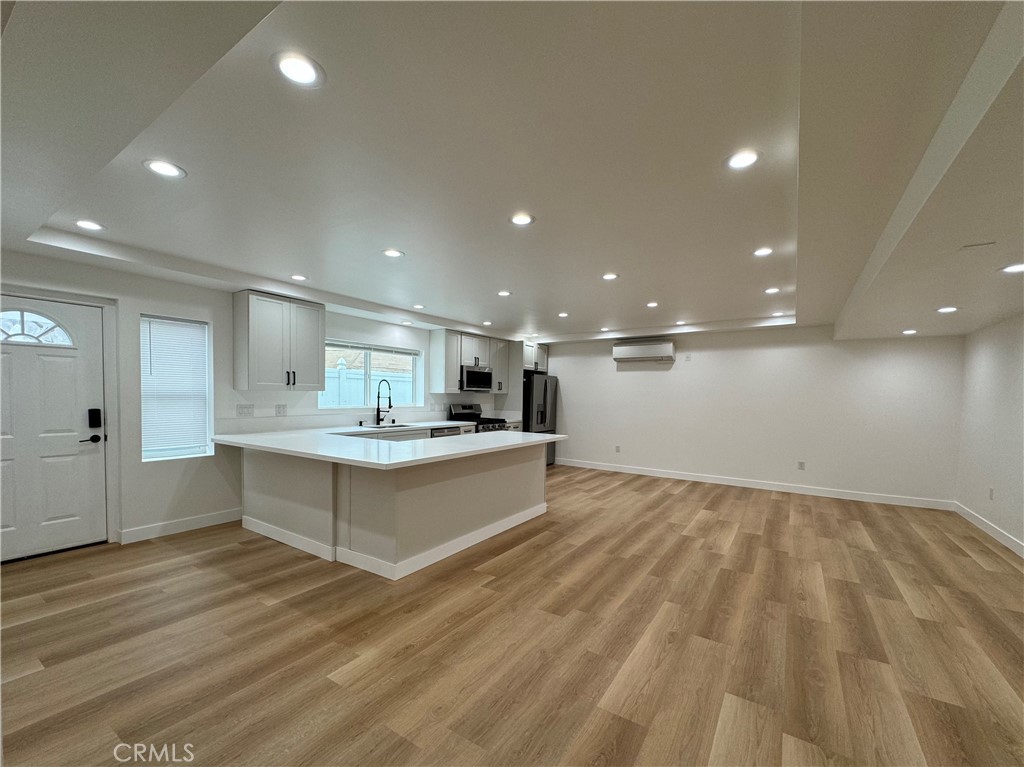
[875,417]
[992,428]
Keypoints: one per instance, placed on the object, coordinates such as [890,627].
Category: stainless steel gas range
[474,413]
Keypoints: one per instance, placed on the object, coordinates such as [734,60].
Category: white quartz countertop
[335,444]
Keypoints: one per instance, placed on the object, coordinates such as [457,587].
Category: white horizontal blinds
[175,388]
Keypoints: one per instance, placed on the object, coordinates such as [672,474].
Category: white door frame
[111,401]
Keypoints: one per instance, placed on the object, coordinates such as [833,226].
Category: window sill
[158,459]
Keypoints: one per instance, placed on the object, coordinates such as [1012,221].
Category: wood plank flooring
[640,621]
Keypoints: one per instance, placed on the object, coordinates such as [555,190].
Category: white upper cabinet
[535,356]
[541,358]
[476,350]
[279,343]
[450,350]
[499,366]
[445,359]
[309,328]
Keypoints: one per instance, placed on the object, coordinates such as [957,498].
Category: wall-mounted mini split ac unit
[650,350]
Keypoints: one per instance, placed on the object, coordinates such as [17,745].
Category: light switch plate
[245,411]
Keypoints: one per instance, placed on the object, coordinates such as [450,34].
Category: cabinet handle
[287,378]
[293,378]
[499,385]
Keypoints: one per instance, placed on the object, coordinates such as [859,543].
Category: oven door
[475,378]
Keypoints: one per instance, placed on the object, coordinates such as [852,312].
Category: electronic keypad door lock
[95,418]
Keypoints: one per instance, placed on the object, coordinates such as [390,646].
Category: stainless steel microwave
[475,378]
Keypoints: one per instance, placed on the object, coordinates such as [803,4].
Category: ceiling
[609,122]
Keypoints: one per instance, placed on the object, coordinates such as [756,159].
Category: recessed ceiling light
[92,226]
[680,322]
[651,304]
[610,276]
[1013,268]
[763,252]
[535,335]
[743,159]
[605,330]
[909,332]
[947,309]
[165,169]
[772,291]
[418,306]
[301,70]
[778,314]
[504,293]
[563,314]
[486,322]
[299,277]
[406,322]
[392,253]
[522,218]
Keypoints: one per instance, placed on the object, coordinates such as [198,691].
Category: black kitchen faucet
[379,418]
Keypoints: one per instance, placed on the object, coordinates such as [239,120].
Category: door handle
[94,439]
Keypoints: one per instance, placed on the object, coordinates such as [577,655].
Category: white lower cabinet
[403,435]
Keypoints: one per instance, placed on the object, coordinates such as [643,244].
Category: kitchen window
[353,372]
[176,398]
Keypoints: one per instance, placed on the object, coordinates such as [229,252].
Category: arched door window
[21,327]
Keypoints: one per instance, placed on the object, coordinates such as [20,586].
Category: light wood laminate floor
[640,621]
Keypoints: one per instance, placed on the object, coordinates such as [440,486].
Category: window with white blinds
[176,395]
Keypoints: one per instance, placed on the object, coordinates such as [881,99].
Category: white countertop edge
[449,451]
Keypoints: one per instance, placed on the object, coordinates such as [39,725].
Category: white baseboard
[133,534]
[395,571]
[301,542]
[996,532]
[824,492]
[366,562]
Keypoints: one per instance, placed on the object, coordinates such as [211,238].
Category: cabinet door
[475,350]
[401,435]
[269,342]
[541,357]
[483,351]
[308,329]
[452,352]
[529,355]
[499,364]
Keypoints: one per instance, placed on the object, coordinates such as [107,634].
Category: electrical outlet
[280,410]
[618,448]
[686,357]
[991,493]
[801,465]
[245,411]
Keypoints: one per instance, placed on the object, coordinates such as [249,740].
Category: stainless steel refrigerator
[540,398]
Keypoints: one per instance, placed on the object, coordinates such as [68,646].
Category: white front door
[52,476]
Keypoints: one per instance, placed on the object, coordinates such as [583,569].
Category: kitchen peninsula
[389,507]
